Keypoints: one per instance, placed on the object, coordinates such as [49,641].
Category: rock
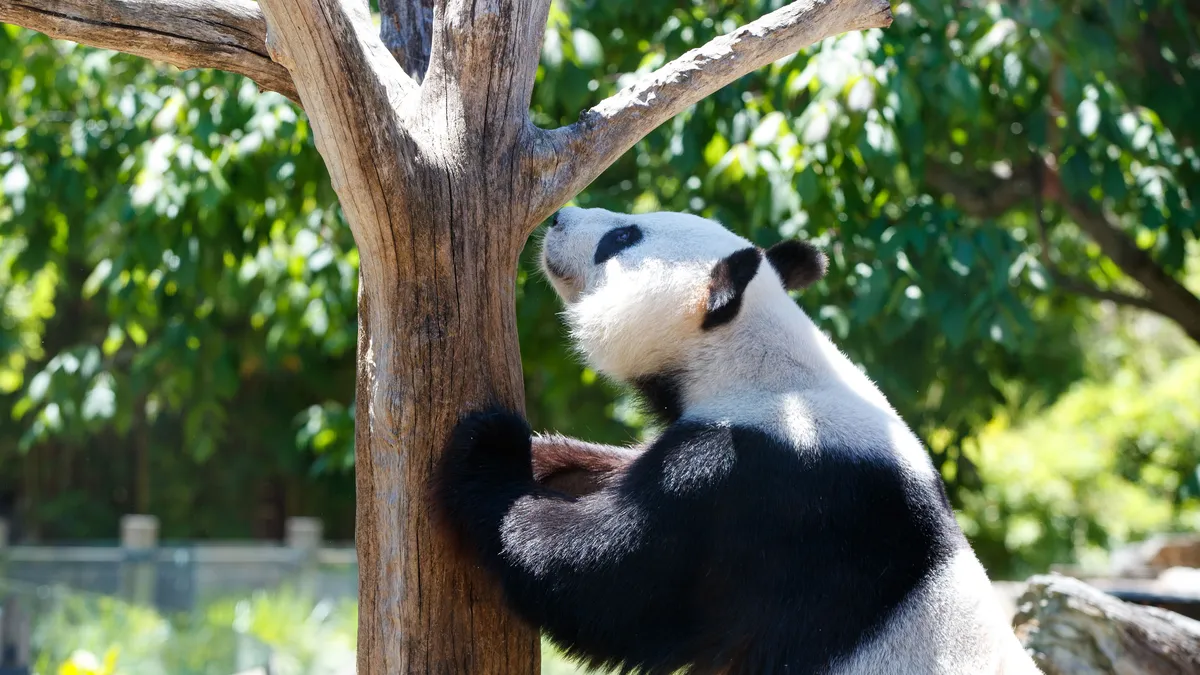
[1072,628]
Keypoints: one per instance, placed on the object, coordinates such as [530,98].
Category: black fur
[727,284]
[720,549]
[662,396]
[799,263]
[616,240]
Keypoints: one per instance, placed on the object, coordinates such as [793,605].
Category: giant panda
[785,520]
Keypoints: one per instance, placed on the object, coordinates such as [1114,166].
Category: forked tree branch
[603,133]
[986,196]
[224,34]
[355,94]
[1061,279]
[470,39]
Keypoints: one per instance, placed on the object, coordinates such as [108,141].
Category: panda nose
[565,216]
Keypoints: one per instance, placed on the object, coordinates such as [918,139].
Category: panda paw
[491,445]
[487,464]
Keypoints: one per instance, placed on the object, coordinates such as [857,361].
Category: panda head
[652,293]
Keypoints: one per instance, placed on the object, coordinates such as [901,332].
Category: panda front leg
[606,575]
[577,467]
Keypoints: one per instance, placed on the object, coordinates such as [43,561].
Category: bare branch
[407,30]
[224,34]
[602,134]
[1078,287]
[978,194]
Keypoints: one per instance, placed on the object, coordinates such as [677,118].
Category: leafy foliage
[79,634]
[1111,462]
[172,259]
[179,288]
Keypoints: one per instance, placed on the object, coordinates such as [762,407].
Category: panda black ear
[727,283]
[799,263]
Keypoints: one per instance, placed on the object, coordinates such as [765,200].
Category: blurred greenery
[81,634]
[178,285]
[75,633]
[1114,460]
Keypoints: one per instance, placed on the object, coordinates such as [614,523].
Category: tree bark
[442,178]
[407,30]
[1075,629]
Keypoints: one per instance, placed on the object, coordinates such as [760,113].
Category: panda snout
[565,283]
[554,266]
[557,271]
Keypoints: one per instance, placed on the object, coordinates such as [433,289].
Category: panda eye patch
[615,241]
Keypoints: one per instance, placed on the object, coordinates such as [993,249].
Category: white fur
[640,312]
[953,625]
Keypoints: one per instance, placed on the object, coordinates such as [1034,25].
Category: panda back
[819,546]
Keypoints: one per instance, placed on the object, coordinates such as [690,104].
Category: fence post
[14,620]
[139,538]
[4,530]
[303,535]
[9,644]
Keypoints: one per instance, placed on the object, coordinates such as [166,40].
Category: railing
[172,578]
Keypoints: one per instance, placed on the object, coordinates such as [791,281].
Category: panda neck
[776,362]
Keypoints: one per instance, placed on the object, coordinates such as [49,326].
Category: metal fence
[182,577]
[172,577]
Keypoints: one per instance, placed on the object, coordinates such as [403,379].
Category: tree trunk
[442,181]
[442,340]
[440,212]
[1075,629]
